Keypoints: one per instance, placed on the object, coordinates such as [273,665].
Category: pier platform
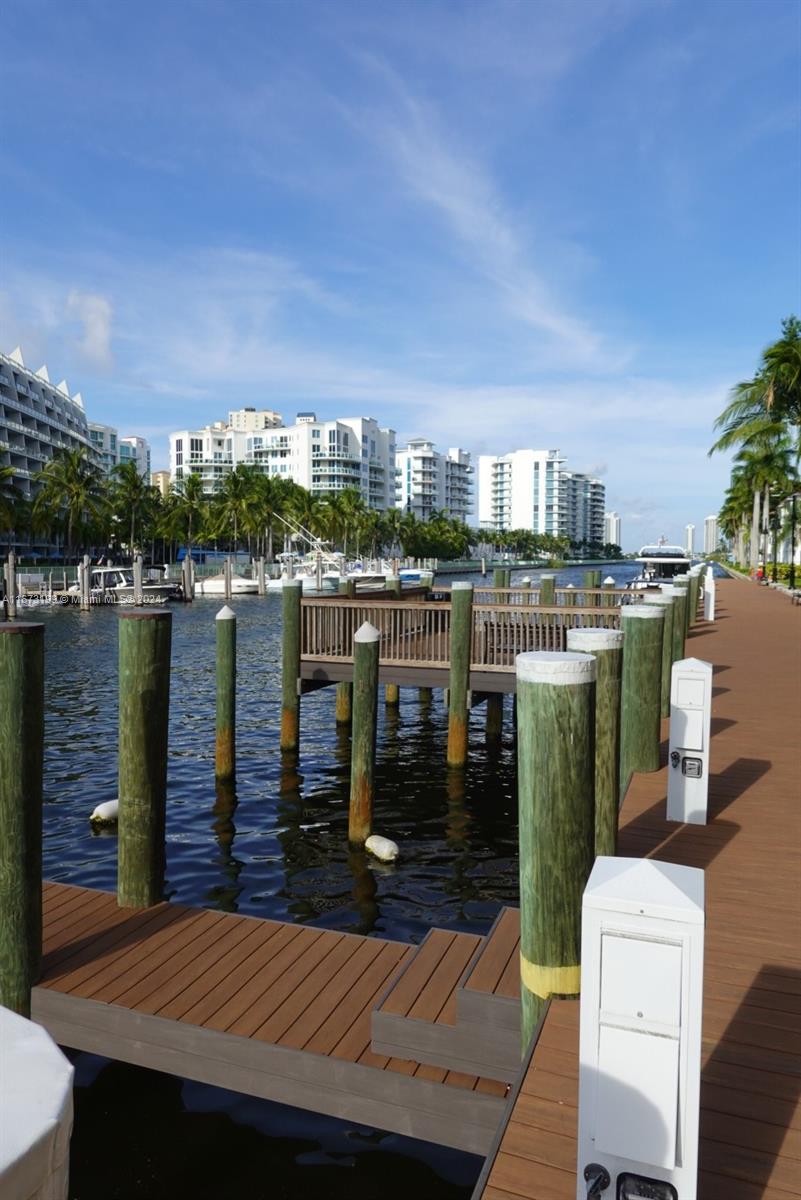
[751,853]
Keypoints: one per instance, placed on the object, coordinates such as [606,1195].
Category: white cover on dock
[35,1112]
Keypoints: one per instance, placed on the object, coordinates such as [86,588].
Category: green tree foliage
[73,497]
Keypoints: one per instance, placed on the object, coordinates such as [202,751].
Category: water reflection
[225,896]
[365,890]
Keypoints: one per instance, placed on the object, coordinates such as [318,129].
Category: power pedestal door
[640,1051]
[688,755]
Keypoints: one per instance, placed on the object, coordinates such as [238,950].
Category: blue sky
[500,224]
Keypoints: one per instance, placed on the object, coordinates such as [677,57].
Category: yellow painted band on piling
[549,981]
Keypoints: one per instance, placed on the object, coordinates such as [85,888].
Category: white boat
[115,585]
[214,585]
[659,563]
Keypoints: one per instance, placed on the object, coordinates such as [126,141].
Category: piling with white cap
[459,679]
[225,740]
[610,600]
[556,807]
[641,693]
[606,645]
[668,604]
[365,715]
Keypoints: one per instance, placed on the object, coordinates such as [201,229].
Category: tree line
[762,421]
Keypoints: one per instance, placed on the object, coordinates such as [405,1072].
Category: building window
[179,444]
[196,445]
[179,459]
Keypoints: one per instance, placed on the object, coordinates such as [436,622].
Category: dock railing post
[606,645]
[144,707]
[641,691]
[459,678]
[366,642]
[667,603]
[225,740]
[290,665]
[556,805]
[21,758]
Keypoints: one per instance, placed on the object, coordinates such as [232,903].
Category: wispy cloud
[94,312]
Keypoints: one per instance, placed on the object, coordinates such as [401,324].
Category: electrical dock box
[688,756]
[709,595]
[642,956]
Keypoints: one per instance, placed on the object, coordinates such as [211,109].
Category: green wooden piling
[498,581]
[641,697]
[570,596]
[392,695]
[290,665]
[365,716]
[393,585]
[525,590]
[681,600]
[225,745]
[459,679]
[144,683]
[547,590]
[556,783]
[494,717]
[344,696]
[607,647]
[609,600]
[21,757]
[667,604]
[425,695]
[683,581]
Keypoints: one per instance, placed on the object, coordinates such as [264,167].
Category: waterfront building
[161,481]
[36,421]
[529,489]
[105,440]
[612,528]
[137,451]
[249,420]
[710,534]
[689,539]
[430,481]
[322,456]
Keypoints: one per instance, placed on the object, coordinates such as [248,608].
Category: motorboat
[658,564]
[115,585]
[214,585]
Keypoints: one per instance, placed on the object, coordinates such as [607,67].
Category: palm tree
[131,497]
[191,506]
[770,403]
[765,465]
[73,485]
[9,500]
[233,499]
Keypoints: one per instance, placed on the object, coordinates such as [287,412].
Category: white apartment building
[105,440]
[711,535]
[612,528]
[689,539]
[137,451]
[323,456]
[249,420]
[529,489]
[36,420]
[434,482]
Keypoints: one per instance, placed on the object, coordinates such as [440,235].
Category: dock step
[454,1004]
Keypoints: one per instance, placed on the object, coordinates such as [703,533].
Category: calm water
[273,846]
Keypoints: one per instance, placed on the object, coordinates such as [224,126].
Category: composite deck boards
[751,852]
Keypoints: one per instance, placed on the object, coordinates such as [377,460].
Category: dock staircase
[456,1003]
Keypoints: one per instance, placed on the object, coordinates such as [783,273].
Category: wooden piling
[228,574]
[261,581]
[680,600]
[393,585]
[570,596]
[11,584]
[21,758]
[667,604]
[85,584]
[606,645]
[344,697]
[556,783]
[547,590]
[290,665]
[144,705]
[225,742]
[683,581]
[139,594]
[365,715]
[498,581]
[641,692]
[610,600]
[459,678]
[494,717]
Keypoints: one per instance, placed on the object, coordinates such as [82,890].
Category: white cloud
[95,313]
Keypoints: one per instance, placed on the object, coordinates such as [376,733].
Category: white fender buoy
[106,813]
[381,847]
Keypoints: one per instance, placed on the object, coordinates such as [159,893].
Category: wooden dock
[751,853]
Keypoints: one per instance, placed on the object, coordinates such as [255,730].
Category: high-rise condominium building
[710,534]
[323,456]
[36,421]
[529,489]
[689,539]
[137,451]
[612,528]
[434,482]
[113,450]
[249,420]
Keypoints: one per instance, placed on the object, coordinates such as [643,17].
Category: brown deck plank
[437,1001]
[418,972]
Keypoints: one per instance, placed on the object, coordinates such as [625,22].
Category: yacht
[115,585]
[659,562]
